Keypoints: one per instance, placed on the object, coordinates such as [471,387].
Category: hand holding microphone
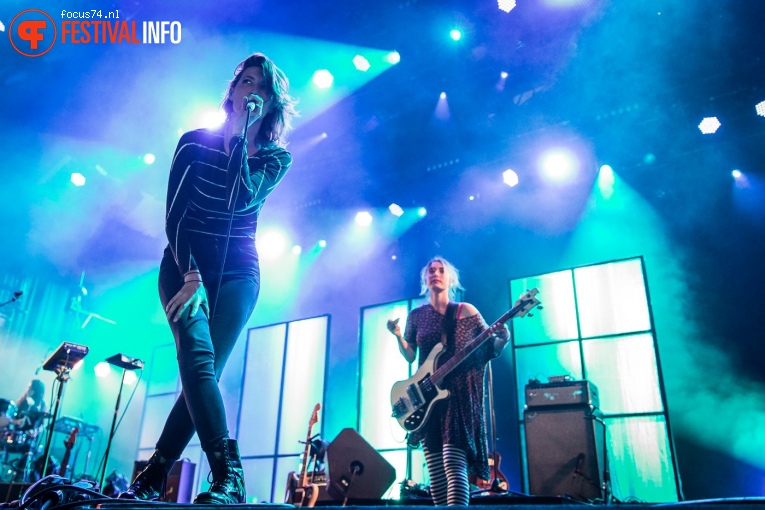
[254,103]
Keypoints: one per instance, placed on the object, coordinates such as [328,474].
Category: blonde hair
[451,272]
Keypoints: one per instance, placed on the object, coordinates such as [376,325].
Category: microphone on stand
[253,102]
[16,296]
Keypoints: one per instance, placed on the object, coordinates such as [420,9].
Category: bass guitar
[412,399]
[301,492]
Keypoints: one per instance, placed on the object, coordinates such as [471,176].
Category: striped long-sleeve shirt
[206,184]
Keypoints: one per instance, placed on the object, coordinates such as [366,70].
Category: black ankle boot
[227,477]
[150,483]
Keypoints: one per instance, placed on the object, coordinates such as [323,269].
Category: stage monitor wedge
[356,470]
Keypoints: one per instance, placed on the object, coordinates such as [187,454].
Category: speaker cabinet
[565,452]
[356,470]
[180,480]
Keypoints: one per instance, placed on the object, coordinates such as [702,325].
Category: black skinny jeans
[203,346]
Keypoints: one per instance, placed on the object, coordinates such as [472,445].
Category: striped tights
[448,476]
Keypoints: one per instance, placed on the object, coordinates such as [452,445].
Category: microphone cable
[235,196]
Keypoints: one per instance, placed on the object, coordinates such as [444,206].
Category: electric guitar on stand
[412,399]
[68,444]
[301,492]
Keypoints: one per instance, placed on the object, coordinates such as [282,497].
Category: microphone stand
[495,481]
[62,376]
[16,296]
[112,430]
[235,194]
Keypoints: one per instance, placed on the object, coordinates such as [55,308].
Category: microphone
[18,293]
[251,103]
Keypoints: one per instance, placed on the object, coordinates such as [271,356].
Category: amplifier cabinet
[565,452]
[564,393]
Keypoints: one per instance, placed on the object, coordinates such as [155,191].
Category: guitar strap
[450,321]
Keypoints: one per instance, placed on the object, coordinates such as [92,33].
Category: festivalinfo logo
[33,32]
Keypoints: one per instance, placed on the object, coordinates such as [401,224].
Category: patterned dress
[458,420]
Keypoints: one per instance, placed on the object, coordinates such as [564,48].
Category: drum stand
[29,460]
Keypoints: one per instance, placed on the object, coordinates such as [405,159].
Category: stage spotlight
[506,5]
[422,212]
[130,377]
[323,79]
[559,165]
[709,125]
[2,27]
[510,178]
[393,257]
[149,158]
[396,210]
[363,218]
[442,107]
[471,197]
[606,181]
[501,82]
[324,135]
[760,108]
[77,179]
[102,369]
[736,174]
[322,243]
[297,249]
[271,245]
[361,63]
[211,118]
[455,34]
[393,58]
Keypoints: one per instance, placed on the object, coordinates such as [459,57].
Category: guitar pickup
[414,396]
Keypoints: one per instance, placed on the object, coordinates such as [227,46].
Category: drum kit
[20,447]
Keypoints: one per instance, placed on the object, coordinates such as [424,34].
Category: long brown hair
[278,122]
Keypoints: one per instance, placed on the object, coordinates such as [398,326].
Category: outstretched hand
[393,327]
[191,296]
